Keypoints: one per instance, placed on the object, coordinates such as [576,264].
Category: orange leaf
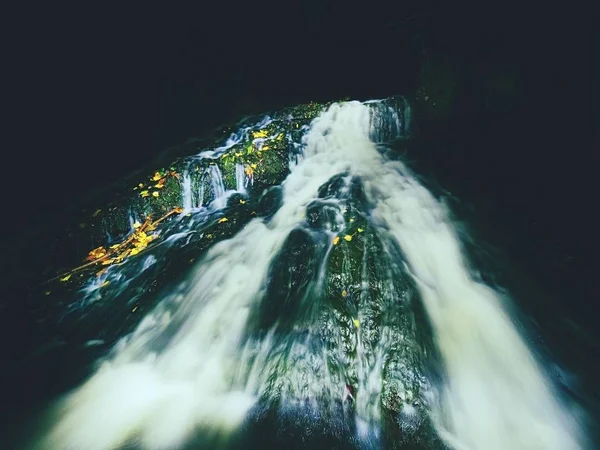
[96,253]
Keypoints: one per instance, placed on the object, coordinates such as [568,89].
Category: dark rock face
[269,202]
[336,288]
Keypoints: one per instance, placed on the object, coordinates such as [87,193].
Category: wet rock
[289,281]
[269,202]
[324,216]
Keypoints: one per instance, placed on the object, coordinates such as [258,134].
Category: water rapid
[352,304]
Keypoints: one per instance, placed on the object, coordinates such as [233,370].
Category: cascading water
[240,178]
[312,312]
[186,191]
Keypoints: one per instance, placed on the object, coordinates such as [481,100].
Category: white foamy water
[495,395]
[186,191]
[179,372]
[160,397]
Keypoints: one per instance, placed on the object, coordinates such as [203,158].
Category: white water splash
[160,396]
[177,372]
[496,396]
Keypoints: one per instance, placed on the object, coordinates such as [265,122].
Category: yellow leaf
[259,134]
[66,278]
[209,236]
[155,194]
[144,194]
[141,185]
[356,323]
[134,251]
[96,254]
[253,165]
[348,237]
[156,176]
[344,293]
[223,219]
[336,240]
[351,220]
[265,147]
[159,185]
[106,283]
[360,230]
[242,202]
[136,225]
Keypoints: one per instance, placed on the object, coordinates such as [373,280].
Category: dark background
[92,93]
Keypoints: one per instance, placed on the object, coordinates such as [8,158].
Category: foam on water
[183,369]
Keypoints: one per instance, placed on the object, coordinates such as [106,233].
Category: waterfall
[186,191]
[204,357]
[240,178]
[218,188]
